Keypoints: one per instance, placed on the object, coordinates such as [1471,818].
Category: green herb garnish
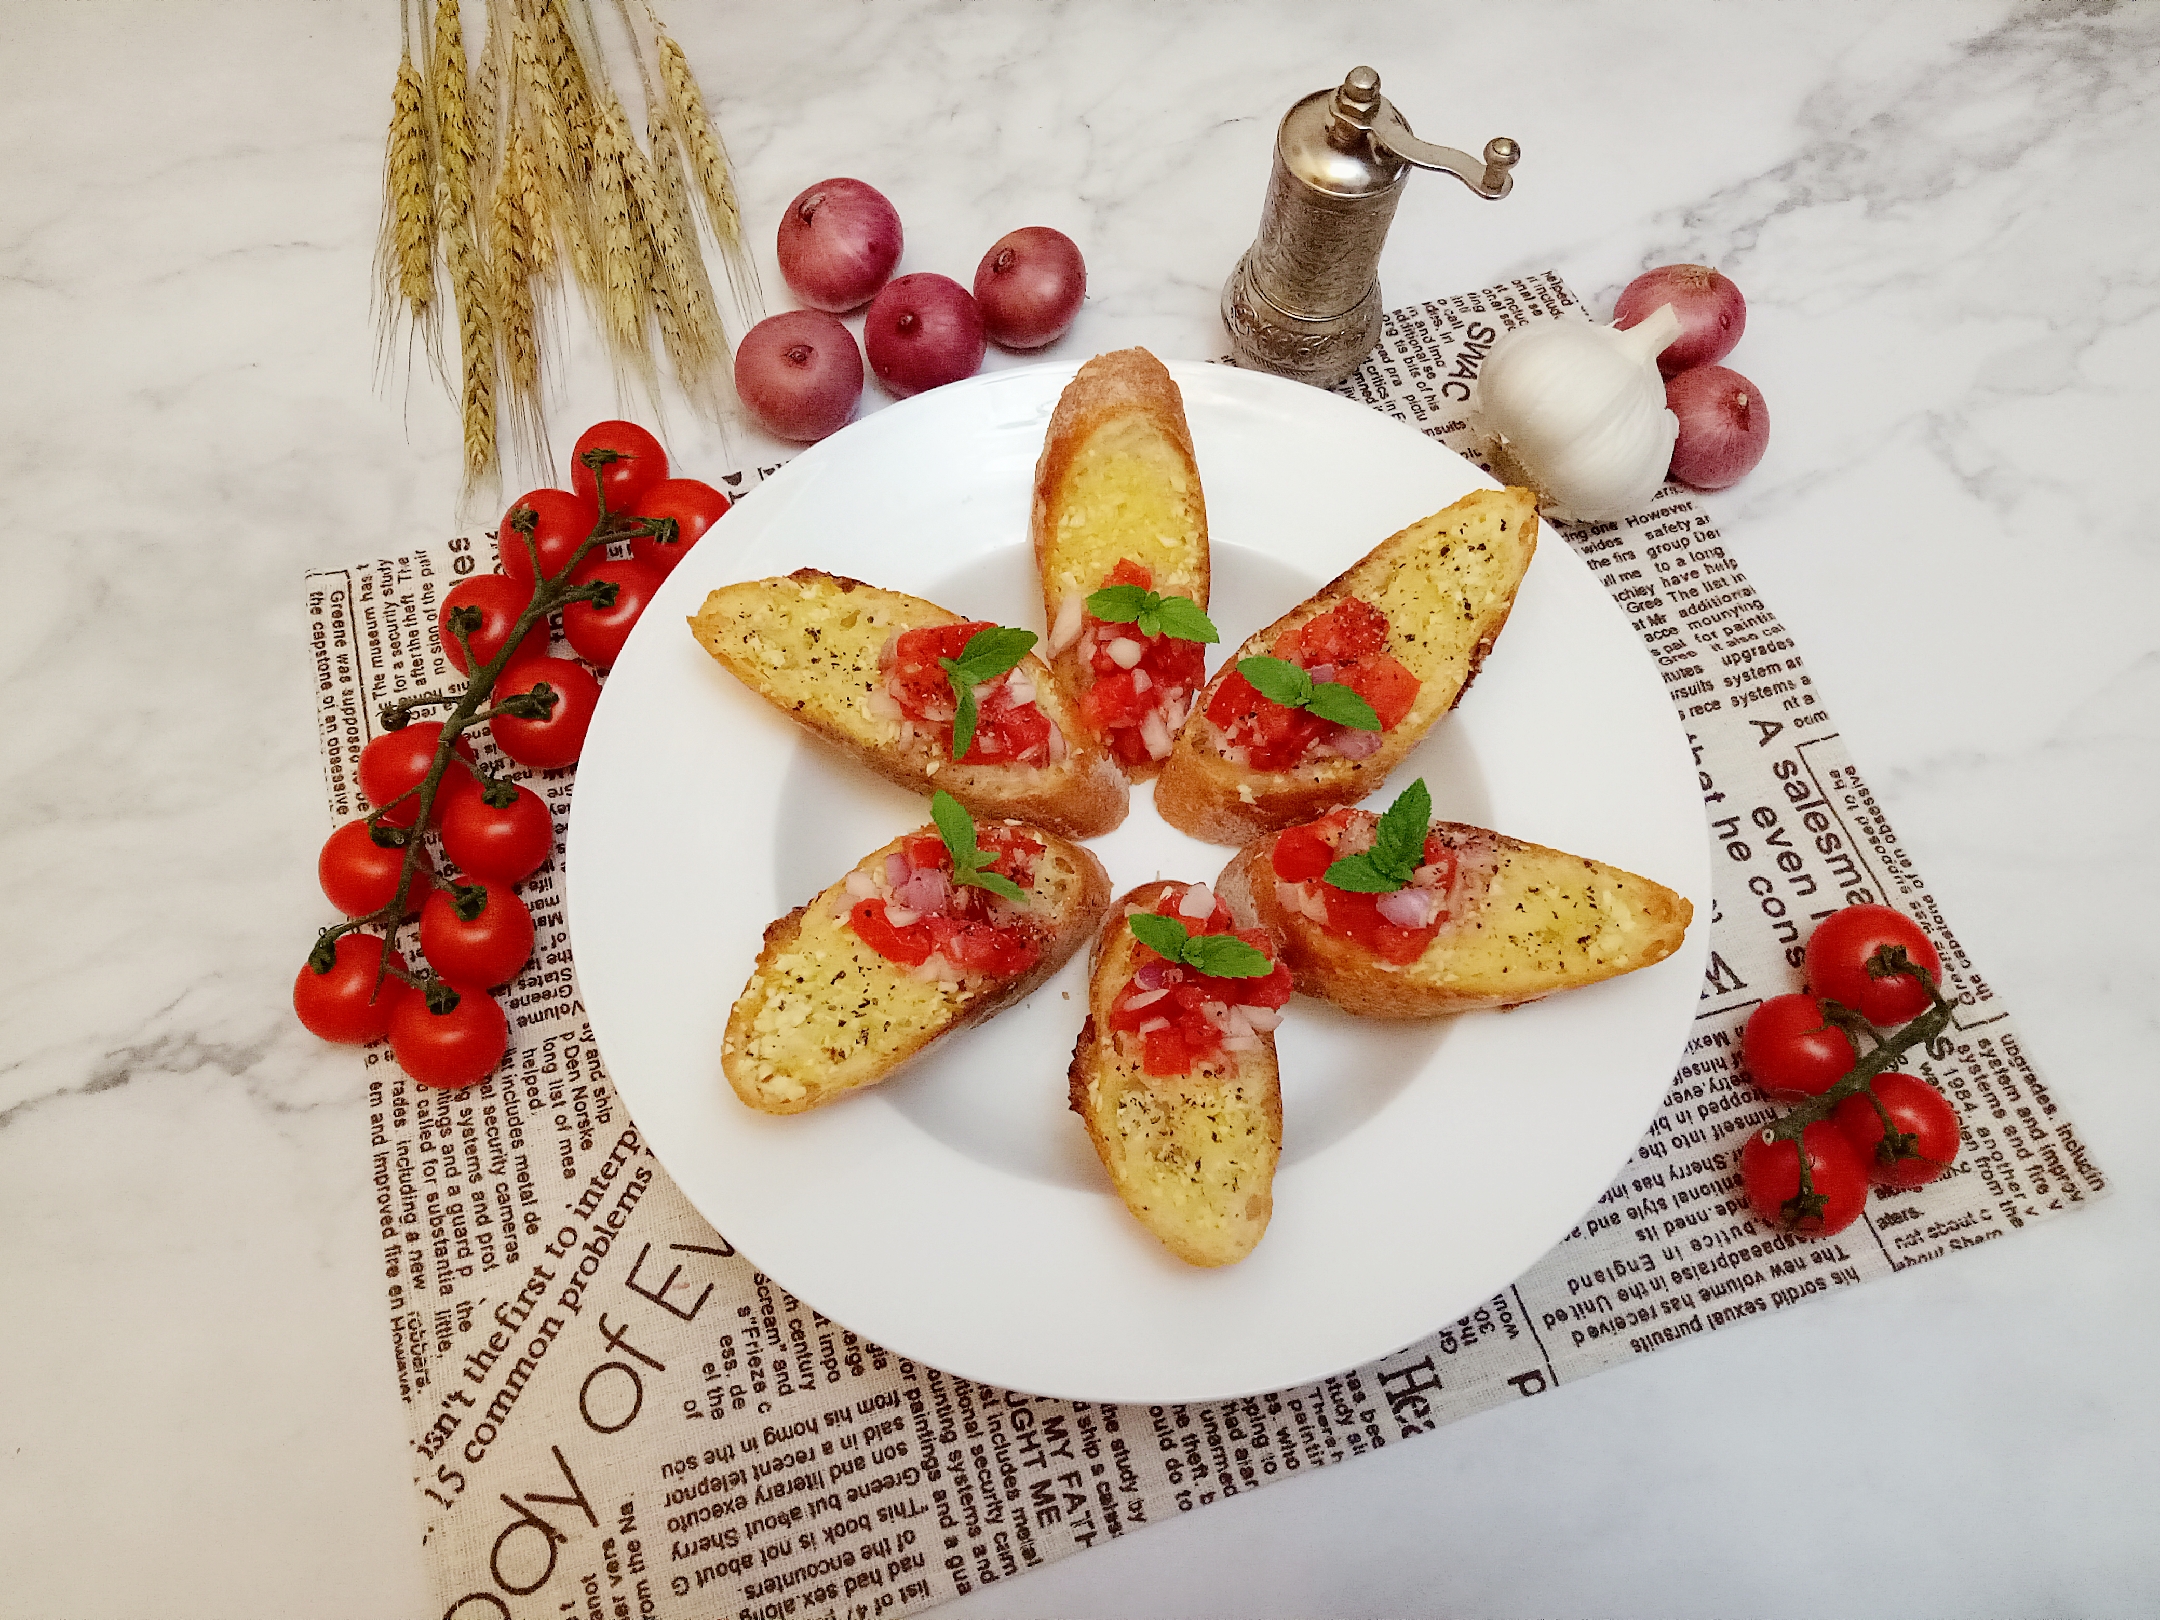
[969,864]
[1280,681]
[1219,956]
[1398,847]
[987,655]
[1176,616]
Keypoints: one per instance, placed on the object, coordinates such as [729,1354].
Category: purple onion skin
[1724,426]
[1030,286]
[799,374]
[922,332]
[839,240]
[1712,313]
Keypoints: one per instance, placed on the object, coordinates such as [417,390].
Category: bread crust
[1111,392]
[1132,1120]
[814,1077]
[807,643]
[1476,552]
[1542,921]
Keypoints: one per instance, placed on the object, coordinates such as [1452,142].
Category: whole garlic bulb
[1577,412]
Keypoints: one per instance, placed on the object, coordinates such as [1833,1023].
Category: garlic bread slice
[816,646]
[1518,922]
[1192,1155]
[1117,484]
[827,1011]
[1445,586]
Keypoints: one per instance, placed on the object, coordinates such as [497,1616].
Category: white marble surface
[1944,218]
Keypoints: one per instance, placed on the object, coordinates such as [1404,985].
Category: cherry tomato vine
[1810,1170]
[445,1029]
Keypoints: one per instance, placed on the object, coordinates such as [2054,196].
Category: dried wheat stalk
[707,158]
[625,249]
[710,384]
[405,249]
[461,244]
[512,265]
[562,208]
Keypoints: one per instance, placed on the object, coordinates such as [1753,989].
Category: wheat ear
[714,394]
[486,110]
[512,242]
[562,208]
[468,274]
[708,161]
[405,250]
[625,262]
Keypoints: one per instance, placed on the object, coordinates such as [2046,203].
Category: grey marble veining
[1944,218]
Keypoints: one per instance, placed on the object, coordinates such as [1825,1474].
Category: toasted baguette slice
[809,644]
[1192,1156]
[824,1013]
[1523,921]
[1446,584]
[1116,480]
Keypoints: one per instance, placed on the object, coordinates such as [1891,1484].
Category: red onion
[1406,908]
[897,870]
[1030,286]
[923,331]
[1712,312]
[1149,974]
[839,240]
[1724,426]
[1354,744]
[927,890]
[799,374]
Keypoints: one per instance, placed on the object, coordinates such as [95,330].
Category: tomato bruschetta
[1121,544]
[1399,916]
[932,933]
[1174,1073]
[1314,711]
[920,695]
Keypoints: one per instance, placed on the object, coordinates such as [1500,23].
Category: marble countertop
[1942,215]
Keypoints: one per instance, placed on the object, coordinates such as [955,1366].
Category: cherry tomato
[597,633]
[340,1003]
[1922,1141]
[500,600]
[397,761]
[692,506]
[560,738]
[561,522]
[504,843]
[449,1050]
[1792,1050]
[361,876]
[1837,958]
[1770,1176]
[639,464]
[483,950]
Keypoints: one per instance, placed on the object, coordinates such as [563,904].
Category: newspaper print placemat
[612,1415]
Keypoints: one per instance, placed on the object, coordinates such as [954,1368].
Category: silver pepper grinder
[1304,302]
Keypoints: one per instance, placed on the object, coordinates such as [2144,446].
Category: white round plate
[956,1214]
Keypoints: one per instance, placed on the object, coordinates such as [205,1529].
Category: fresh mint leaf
[1181,617]
[1165,936]
[1359,874]
[1278,680]
[1398,847]
[1225,956]
[987,655]
[969,863]
[1399,840]
[1118,604]
[1331,700]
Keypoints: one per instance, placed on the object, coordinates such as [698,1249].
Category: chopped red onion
[1407,908]
[1351,743]
[1198,904]
[1322,672]
[927,890]
[1264,1020]
[1147,998]
[897,869]
[1126,652]
[1149,974]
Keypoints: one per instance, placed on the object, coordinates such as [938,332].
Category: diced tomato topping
[927,851]
[910,946]
[1120,699]
[1387,685]
[1128,572]
[1013,853]
[1303,854]
[983,949]
[1004,731]
[1350,629]
[1348,636]
[1164,1053]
